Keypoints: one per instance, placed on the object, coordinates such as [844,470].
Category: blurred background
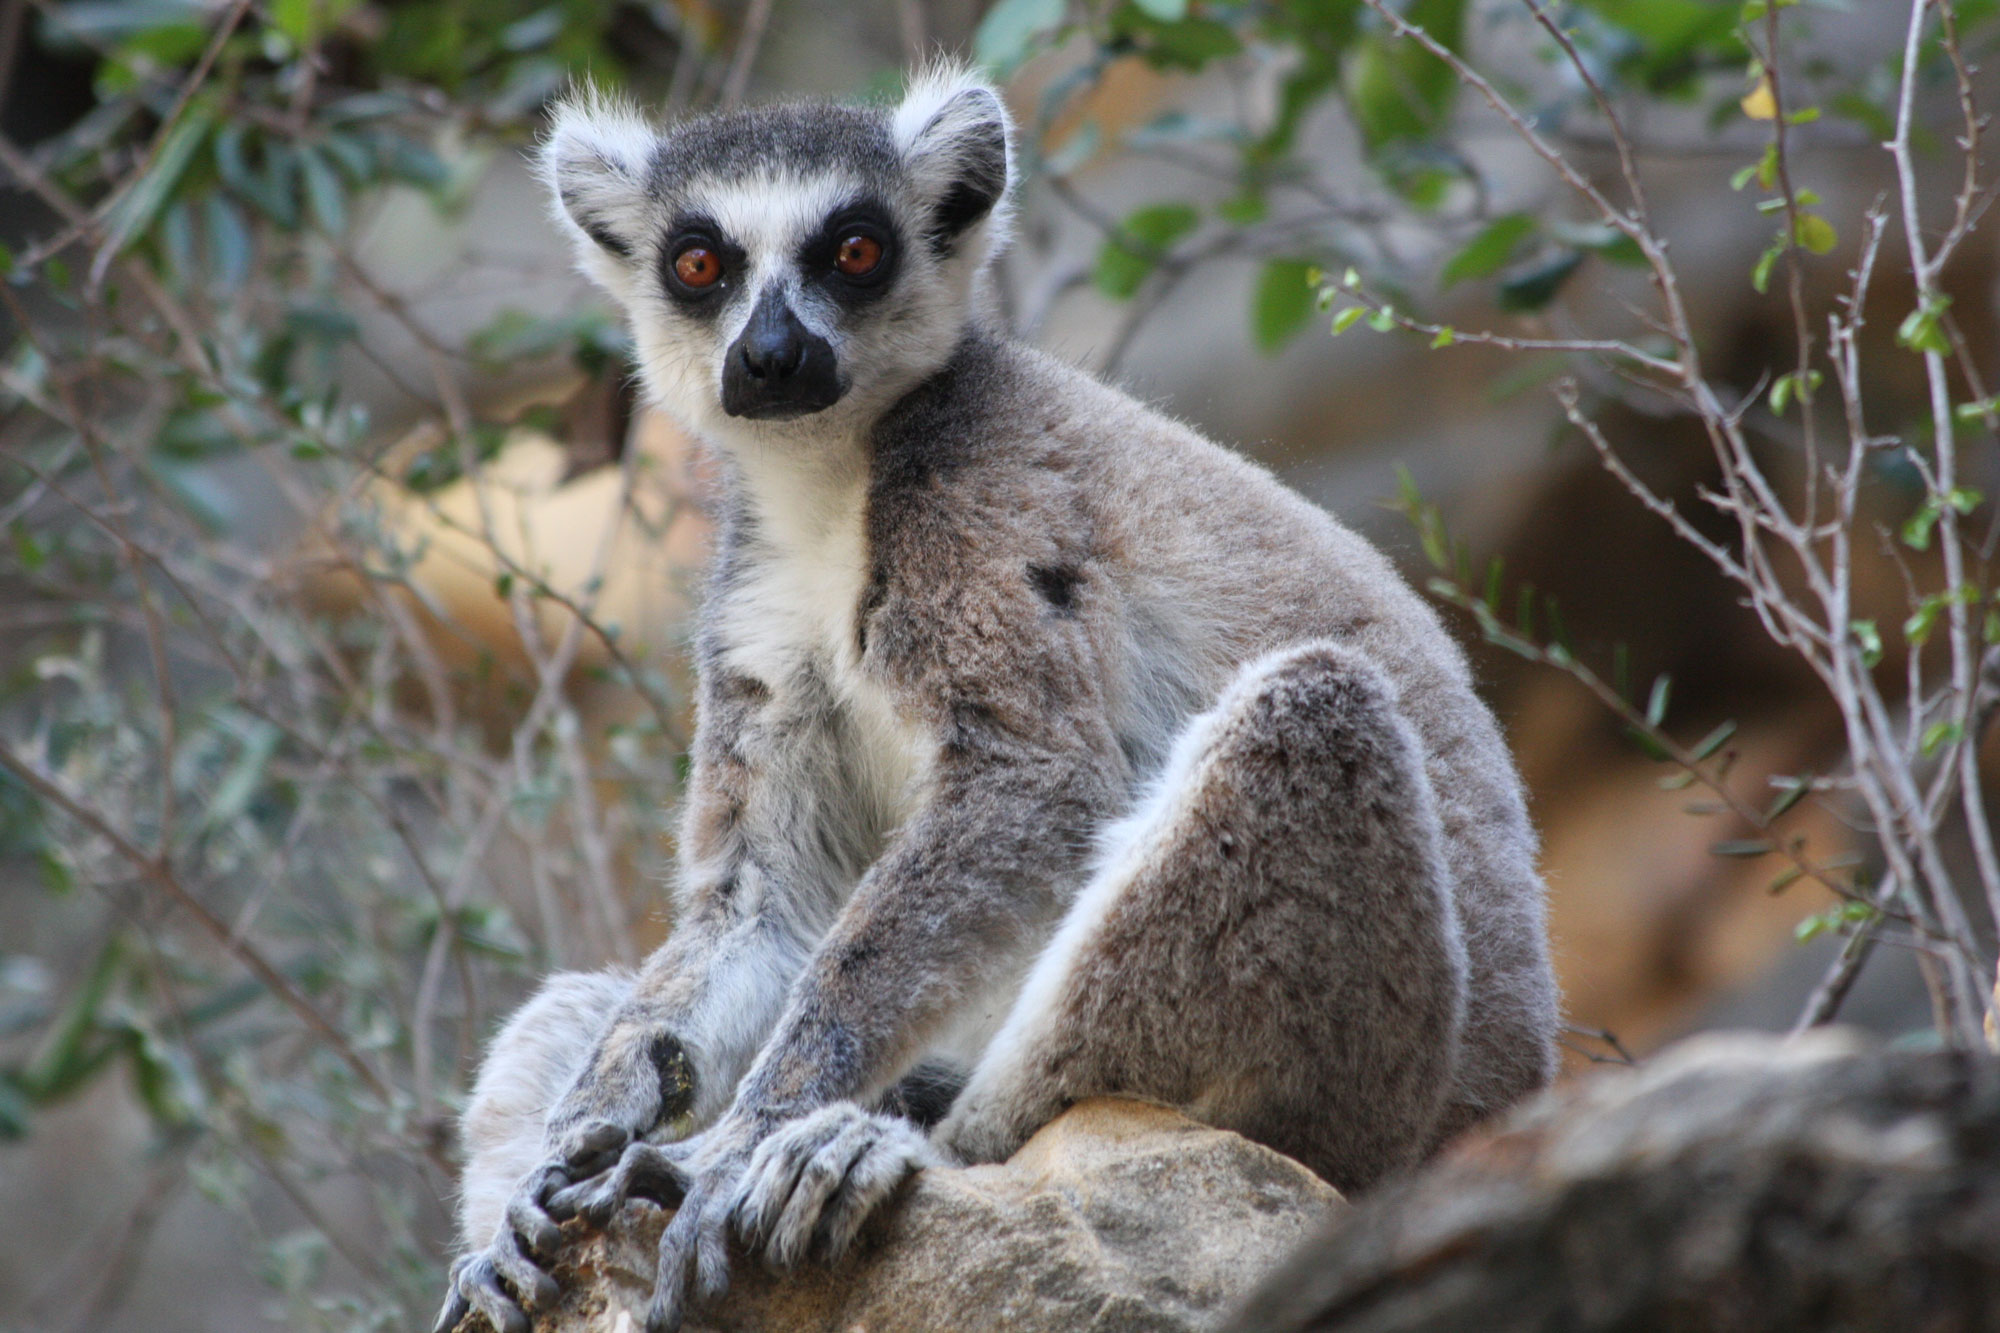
[344,581]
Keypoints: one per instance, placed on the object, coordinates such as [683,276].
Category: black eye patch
[851,235]
[699,232]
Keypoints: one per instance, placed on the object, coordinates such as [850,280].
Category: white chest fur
[790,615]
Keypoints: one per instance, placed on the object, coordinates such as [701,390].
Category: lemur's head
[801,263]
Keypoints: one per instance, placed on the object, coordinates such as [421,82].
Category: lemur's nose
[777,368]
[773,345]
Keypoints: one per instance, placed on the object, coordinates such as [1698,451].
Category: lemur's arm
[1025,770]
[972,879]
[762,871]
[760,879]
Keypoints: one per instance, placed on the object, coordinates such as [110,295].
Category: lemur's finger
[546,1181]
[533,1224]
[534,1287]
[595,1148]
[680,1244]
[774,1170]
[456,1306]
[822,1178]
[481,1285]
[711,1256]
[894,1151]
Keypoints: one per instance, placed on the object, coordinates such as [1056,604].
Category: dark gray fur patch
[799,136]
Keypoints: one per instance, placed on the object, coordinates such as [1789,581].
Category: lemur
[1043,748]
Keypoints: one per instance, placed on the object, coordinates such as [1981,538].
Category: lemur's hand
[813,1182]
[508,1278]
[638,1081]
[802,1187]
[708,1169]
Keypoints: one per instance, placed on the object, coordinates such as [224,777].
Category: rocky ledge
[1118,1216]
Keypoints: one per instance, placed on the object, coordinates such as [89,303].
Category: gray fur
[1035,733]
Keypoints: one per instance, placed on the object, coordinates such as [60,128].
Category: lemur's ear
[596,161]
[956,140]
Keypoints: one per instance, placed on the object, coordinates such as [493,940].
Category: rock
[1732,1183]
[1119,1215]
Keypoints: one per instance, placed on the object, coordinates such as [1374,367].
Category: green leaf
[305,21]
[1938,735]
[1397,91]
[1186,45]
[1445,337]
[135,210]
[1656,703]
[1536,284]
[1382,319]
[1870,639]
[1744,847]
[1488,252]
[324,192]
[1347,318]
[1714,741]
[1008,34]
[1127,257]
[1604,241]
[1815,233]
[1760,276]
[1669,41]
[1781,394]
[245,778]
[228,241]
[1917,529]
[1283,303]
[1792,791]
[1922,330]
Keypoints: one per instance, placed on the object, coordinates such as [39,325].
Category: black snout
[779,368]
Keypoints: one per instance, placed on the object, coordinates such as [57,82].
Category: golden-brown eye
[698,266]
[858,256]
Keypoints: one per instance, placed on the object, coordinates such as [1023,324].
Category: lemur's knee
[530,1064]
[1315,710]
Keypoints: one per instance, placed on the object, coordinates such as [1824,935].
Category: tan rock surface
[1118,1216]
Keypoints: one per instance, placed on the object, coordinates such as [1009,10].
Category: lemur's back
[1209,562]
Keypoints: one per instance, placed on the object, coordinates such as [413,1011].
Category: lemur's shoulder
[1003,414]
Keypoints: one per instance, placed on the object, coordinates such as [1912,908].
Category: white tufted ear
[596,161]
[957,142]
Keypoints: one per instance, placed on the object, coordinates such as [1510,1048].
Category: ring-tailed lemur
[1038,738]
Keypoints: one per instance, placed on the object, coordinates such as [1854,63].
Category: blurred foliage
[291,866]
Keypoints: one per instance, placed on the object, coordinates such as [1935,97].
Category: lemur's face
[791,264]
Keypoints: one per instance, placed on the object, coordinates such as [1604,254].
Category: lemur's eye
[858,256]
[698,266]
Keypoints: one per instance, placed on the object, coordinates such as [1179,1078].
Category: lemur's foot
[813,1182]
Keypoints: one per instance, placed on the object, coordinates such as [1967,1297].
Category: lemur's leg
[767,854]
[1269,942]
